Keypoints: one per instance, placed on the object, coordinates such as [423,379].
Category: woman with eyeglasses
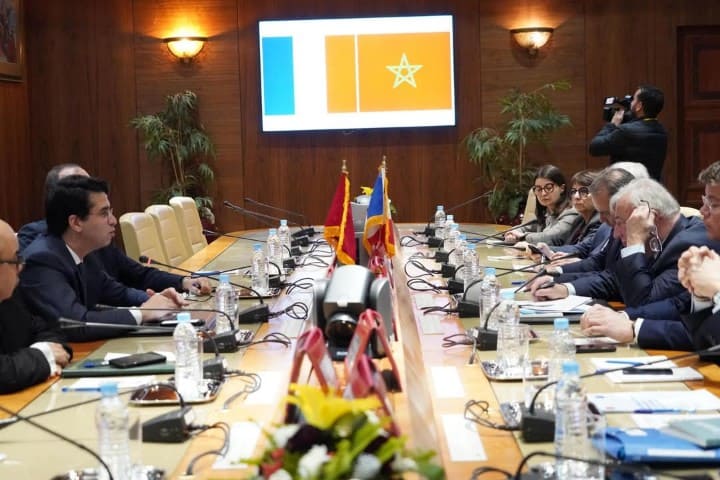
[582,202]
[556,218]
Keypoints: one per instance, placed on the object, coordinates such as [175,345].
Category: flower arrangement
[339,439]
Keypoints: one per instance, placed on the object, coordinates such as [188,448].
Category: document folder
[96,368]
[649,445]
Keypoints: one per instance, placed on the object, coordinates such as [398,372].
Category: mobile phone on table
[595,348]
[647,371]
[137,360]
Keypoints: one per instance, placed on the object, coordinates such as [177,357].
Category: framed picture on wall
[12,48]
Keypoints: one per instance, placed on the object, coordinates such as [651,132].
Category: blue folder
[649,445]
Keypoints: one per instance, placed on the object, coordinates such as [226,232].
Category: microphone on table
[540,426]
[430,231]
[305,229]
[288,263]
[503,232]
[299,239]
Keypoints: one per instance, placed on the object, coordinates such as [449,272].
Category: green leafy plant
[502,154]
[176,138]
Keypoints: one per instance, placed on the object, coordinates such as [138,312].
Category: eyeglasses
[548,188]
[654,243]
[18,261]
[582,191]
[708,204]
[105,212]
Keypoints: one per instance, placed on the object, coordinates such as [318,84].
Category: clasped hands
[699,271]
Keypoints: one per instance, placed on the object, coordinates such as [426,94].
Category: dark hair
[53,176]
[710,175]
[611,179]
[652,99]
[70,196]
[555,175]
[584,177]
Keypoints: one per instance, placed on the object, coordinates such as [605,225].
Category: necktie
[82,282]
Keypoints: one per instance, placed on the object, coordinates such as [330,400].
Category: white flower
[403,464]
[366,467]
[280,475]
[372,417]
[310,463]
[284,433]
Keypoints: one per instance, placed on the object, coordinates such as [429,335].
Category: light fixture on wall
[185,48]
[532,38]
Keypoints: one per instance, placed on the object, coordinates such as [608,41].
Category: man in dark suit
[641,139]
[118,265]
[29,352]
[63,279]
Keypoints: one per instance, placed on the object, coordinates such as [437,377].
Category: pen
[625,362]
[657,410]
[91,364]
[517,282]
[81,389]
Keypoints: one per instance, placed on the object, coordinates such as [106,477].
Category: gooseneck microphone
[540,426]
[430,231]
[305,228]
[503,232]
[287,263]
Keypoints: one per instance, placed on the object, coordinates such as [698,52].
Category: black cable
[303,283]
[478,472]
[422,285]
[477,410]
[420,266]
[272,337]
[255,382]
[316,261]
[410,241]
[296,310]
[219,452]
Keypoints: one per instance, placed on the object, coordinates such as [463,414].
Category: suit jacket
[20,365]
[704,328]
[590,244]
[54,286]
[558,228]
[641,140]
[664,335]
[118,265]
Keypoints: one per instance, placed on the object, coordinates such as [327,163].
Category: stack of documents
[654,401]
[666,371]
[571,307]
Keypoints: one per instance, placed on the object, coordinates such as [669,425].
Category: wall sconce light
[185,48]
[532,38]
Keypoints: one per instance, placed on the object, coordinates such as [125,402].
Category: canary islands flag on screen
[379,238]
[354,73]
[339,229]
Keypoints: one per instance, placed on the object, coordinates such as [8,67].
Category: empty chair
[690,212]
[530,206]
[169,232]
[188,218]
[140,236]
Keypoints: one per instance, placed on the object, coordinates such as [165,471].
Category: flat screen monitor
[354,73]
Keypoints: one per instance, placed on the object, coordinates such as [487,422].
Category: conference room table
[436,381]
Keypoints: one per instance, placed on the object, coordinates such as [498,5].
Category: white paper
[463,441]
[655,401]
[679,374]
[567,304]
[270,389]
[661,420]
[243,439]
[593,340]
[128,381]
[446,381]
[431,324]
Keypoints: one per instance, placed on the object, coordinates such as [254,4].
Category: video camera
[612,104]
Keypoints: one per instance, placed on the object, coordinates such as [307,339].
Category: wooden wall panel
[94,66]
[16,195]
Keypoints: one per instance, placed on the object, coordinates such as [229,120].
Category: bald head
[59,172]
[8,253]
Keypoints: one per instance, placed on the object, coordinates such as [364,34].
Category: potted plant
[502,153]
[176,137]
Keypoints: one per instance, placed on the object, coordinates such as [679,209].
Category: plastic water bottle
[561,348]
[284,236]
[188,358]
[259,270]
[440,219]
[489,292]
[274,252]
[471,268]
[457,256]
[449,220]
[451,237]
[225,301]
[507,312]
[571,424]
[112,420]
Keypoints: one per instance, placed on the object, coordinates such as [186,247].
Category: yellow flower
[366,190]
[321,409]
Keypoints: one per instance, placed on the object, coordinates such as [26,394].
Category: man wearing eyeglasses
[29,352]
[61,277]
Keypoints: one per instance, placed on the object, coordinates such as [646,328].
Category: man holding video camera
[634,133]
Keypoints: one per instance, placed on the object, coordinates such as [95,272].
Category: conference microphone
[150,261]
[540,426]
[305,229]
[503,232]
[288,263]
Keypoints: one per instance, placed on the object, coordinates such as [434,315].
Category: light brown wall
[94,66]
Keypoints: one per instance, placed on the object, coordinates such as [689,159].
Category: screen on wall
[357,73]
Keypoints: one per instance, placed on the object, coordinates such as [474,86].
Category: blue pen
[81,389]
[657,410]
[91,364]
[625,362]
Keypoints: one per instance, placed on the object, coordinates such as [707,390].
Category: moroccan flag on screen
[378,237]
[339,230]
[387,72]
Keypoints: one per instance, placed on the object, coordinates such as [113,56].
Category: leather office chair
[690,212]
[169,232]
[140,236]
[529,213]
[189,222]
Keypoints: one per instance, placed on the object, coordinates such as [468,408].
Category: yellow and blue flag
[379,237]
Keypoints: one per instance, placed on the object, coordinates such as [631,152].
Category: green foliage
[176,138]
[502,154]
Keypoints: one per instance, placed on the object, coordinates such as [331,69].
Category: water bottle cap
[224,278]
[507,295]
[490,271]
[462,237]
[561,323]
[257,246]
[440,207]
[109,389]
[450,217]
[283,222]
[183,317]
[272,231]
[570,367]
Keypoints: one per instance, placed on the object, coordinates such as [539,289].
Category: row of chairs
[167,233]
